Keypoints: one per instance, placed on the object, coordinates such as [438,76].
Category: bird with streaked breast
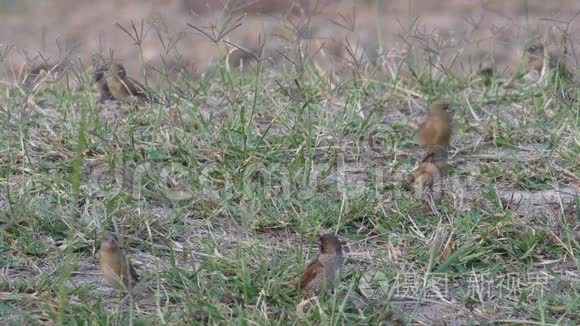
[325,271]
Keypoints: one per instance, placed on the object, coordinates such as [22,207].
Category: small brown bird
[101,84]
[122,87]
[115,266]
[537,55]
[325,271]
[436,128]
[430,169]
[435,136]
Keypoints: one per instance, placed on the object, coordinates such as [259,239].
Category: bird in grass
[115,266]
[122,87]
[325,271]
[537,57]
[431,168]
[101,84]
[435,136]
[436,127]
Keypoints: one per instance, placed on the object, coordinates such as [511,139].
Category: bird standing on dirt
[435,135]
[325,271]
[436,128]
[115,266]
[122,87]
[537,56]
[431,168]
[101,84]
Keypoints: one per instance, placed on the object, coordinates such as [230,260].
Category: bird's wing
[311,273]
[137,88]
[133,87]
